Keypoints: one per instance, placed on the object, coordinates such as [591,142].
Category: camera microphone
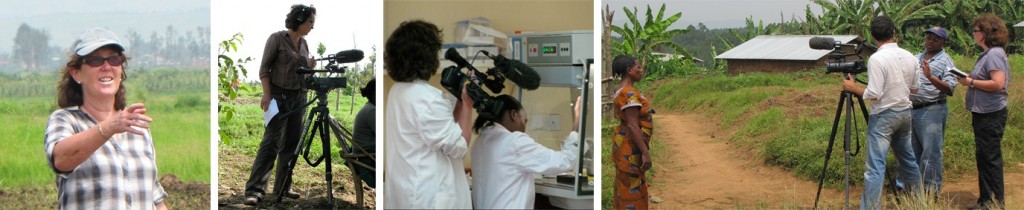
[518,72]
[822,43]
[345,56]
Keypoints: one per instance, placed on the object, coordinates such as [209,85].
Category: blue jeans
[929,125]
[885,129]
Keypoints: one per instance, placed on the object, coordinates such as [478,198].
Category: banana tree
[847,17]
[956,16]
[906,15]
[653,35]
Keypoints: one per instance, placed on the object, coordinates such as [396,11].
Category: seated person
[364,132]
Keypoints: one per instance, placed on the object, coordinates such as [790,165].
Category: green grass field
[181,136]
[787,118]
[181,127]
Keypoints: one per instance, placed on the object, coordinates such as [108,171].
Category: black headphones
[302,14]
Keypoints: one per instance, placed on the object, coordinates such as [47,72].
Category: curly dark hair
[298,15]
[621,64]
[882,28]
[369,91]
[993,28]
[411,51]
[509,104]
[69,92]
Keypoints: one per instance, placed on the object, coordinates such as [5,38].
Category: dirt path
[705,172]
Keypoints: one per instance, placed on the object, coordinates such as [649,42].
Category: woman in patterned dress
[632,137]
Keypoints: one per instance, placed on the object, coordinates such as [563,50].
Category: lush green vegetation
[786,118]
[178,101]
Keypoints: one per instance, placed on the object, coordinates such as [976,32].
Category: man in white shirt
[505,158]
[892,77]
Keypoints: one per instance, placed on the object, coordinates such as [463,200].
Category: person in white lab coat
[426,130]
[505,158]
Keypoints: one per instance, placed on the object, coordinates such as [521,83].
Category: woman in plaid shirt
[100,147]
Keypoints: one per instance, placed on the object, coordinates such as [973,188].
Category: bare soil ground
[181,195]
[309,182]
[705,172]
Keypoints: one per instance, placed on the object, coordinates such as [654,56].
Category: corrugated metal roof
[781,47]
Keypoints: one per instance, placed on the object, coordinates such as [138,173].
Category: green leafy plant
[228,73]
[641,40]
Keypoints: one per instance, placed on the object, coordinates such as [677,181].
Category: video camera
[328,82]
[452,79]
[839,62]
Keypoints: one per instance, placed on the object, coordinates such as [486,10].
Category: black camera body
[846,67]
[328,83]
[839,63]
[453,79]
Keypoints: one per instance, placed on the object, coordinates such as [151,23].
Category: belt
[923,105]
[276,90]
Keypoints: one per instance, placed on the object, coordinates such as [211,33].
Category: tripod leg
[828,150]
[308,128]
[846,144]
[325,141]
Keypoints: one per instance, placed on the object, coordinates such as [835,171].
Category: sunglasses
[97,61]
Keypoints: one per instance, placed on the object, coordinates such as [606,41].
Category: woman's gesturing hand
[133,115]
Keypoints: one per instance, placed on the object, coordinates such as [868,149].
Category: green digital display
[549,49]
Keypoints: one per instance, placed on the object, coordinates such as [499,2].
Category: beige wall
[506,17]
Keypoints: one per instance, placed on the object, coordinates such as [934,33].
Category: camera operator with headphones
[505,158]
[285,51]
[892,77]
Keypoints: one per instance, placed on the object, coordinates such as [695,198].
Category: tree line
[642,37]
[140,82]
[33,50]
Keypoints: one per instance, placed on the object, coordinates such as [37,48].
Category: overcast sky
[340,25]
[64,20]
[716,13]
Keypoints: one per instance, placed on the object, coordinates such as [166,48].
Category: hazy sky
[64,20]
[340,25]
[716,13]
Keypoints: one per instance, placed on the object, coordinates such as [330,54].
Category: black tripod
[845,103]
[319,122]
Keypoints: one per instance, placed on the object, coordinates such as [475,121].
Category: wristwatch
[972,83]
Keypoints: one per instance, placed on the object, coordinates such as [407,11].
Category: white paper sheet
[270,113]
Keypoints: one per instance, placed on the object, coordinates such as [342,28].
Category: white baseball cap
[95,38]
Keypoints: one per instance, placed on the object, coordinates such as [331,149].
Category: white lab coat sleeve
[438,128]
[535,158]
[876,81]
